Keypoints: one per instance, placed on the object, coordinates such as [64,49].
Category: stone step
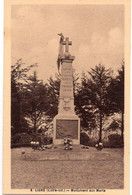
[77,153]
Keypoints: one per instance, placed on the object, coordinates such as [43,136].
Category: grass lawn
[91,174]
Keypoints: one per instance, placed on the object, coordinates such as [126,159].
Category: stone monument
[66,123]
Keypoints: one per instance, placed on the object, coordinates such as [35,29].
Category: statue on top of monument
[61,52]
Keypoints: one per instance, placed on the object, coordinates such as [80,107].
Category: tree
[116,96]
[15,109]
[97,90]
[18,76]
[83,104]
[34,103]
[53,88]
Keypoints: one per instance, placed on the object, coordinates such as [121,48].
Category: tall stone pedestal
[66,123]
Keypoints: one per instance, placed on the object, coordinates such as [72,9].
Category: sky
[96,32]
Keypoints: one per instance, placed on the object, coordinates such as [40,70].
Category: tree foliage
[53,86]
[18,76]
[116,95]
[93,103]
[34,103]
[83,105]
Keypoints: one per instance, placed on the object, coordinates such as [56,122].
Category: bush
[15,139]
[92,143]
[36,137]
[21,138]
[47,140]
[115,141]
[20,145]
[106,144]
[41,138]
[84,139]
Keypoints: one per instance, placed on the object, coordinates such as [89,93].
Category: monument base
[77,153]
[66,126]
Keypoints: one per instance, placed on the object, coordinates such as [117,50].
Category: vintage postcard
[66,97]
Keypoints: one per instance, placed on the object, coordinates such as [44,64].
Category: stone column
[66,123]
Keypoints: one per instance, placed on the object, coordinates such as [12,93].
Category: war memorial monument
[66,123]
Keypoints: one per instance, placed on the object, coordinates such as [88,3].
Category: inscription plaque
[66,128]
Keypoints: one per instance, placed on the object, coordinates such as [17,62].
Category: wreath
[67,143]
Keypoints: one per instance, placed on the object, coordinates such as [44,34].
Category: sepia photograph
[66,98]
